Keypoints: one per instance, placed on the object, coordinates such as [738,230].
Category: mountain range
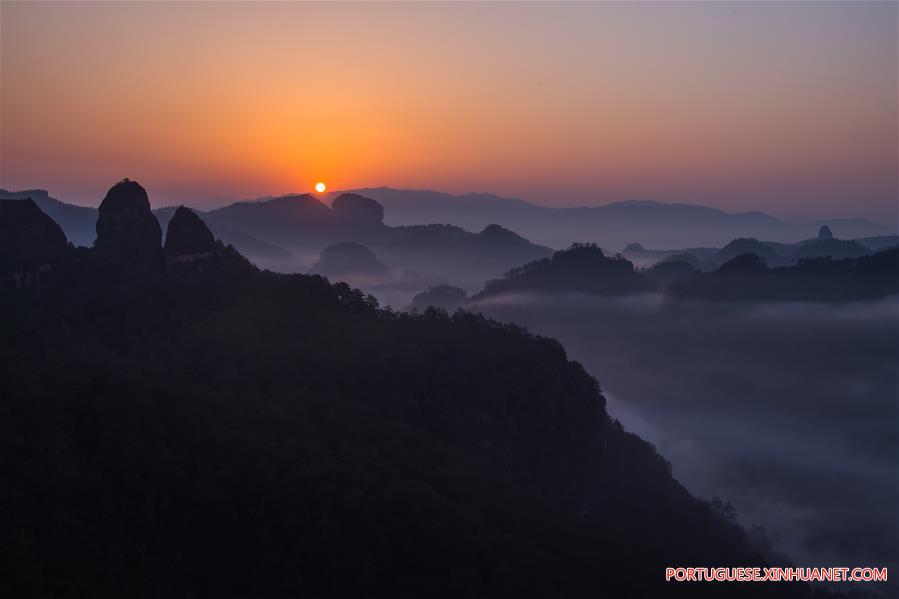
[178,423]
[427,236]
[288,233]
[612,226]
[743,277]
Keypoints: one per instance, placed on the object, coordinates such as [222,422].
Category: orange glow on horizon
[574,104]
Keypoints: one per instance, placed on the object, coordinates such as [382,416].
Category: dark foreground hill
[197,428]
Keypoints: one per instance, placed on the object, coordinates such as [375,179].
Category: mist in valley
[787,410]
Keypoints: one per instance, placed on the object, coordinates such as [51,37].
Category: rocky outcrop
[30,242]
[127,227]
[187,239]
[358,211]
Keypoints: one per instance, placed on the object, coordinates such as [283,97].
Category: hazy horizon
[788,108]
[211,203]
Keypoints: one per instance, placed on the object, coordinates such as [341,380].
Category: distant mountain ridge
[421,229]
[287,233]
[775,253]
[77,221]
[747,278]
[744,277]
[612,226]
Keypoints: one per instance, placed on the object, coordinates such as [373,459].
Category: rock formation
[187,239]
[128,228]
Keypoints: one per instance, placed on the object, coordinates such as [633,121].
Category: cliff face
[127,227]
[29,241]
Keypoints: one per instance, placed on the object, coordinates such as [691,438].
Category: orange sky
[789,108]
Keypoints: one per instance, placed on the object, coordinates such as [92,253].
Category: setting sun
[320,187]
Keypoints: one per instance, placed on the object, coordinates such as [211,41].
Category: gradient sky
[786,107]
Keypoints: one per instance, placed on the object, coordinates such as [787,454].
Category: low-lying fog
[789,411]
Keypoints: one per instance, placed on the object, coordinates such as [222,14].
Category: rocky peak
[825,233]
[188,235]
[127,227]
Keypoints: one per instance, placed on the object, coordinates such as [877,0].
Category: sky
[785,107]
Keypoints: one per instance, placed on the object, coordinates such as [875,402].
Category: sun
[320,187]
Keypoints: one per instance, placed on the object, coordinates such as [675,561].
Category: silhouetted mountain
[188,235]
[347,260]
[445,297]
[582,268]
[456,253]
[613,226]
[741,246]
[687,257]
[78,222]
[744,263]
[188,243]
[127,228]
[497,238]
[264,255]
[272,231]
[670,271]
[305,225]
[748,278]
[296,221]
[821,247]
[775,253]
[358,211]
[645,258]
[246,434]
[29,242]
